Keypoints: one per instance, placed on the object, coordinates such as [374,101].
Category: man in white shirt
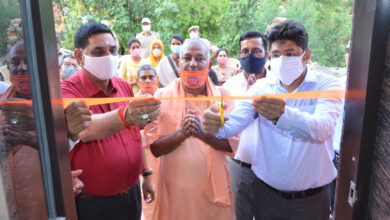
[146,37]
[294,152]
[253,53]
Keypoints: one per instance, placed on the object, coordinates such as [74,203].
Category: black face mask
[252,64]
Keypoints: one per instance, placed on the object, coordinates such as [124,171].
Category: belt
[241,163]
[295,194]
[93,197]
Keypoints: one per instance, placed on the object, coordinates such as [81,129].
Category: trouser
[336,161]
[270,205]
[124,206]
[242,180]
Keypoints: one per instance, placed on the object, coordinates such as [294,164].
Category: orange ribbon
[322,94]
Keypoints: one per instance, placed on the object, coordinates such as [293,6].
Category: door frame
[368,49]
[41,51]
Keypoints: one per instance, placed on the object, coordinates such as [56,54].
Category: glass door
[35,180]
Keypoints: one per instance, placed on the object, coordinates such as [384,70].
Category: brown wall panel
[379,190]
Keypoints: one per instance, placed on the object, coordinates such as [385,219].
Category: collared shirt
[297,153]
[238,85]
[146,40]
[113,164]
[338,130]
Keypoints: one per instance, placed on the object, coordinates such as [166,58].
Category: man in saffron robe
[193,178]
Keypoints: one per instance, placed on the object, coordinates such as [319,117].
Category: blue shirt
[296,154]
[338,130]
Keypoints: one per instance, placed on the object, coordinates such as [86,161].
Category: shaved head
[17,59]
[19,46]
[195,42]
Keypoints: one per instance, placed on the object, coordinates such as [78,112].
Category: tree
[328,22]
[12,11]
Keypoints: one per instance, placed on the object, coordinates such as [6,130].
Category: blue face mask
[68,71]
[252,64]
[175,49]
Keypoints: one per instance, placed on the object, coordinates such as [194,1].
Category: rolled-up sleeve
[240,118]
[316,126]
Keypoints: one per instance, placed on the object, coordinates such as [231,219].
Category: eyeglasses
[255,52]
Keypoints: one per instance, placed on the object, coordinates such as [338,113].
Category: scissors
[221,112]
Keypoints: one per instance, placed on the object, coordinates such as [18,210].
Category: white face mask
[146,28]
[175,49]
[156,52]
[288,68]
[103,68]
[194,35]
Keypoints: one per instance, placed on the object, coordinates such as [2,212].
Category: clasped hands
[191,125]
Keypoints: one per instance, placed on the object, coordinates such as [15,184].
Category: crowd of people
[267,158]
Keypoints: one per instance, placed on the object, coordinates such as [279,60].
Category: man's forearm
[102,126]
[168,143]
[221,144]
[146,161]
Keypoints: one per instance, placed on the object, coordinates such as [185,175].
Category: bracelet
[147,173]
[121,114]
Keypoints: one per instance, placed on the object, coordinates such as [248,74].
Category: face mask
[136,52]
[103,68]
[194,79]
[68,71]
[194,35]
[288,68]
[222,60]
[156,52]
[252,64]
[175,49]
[21,83]
[149,87]
[146,28]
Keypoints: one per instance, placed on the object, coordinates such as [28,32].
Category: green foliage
[328,22]
[10,10]
[124,17]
